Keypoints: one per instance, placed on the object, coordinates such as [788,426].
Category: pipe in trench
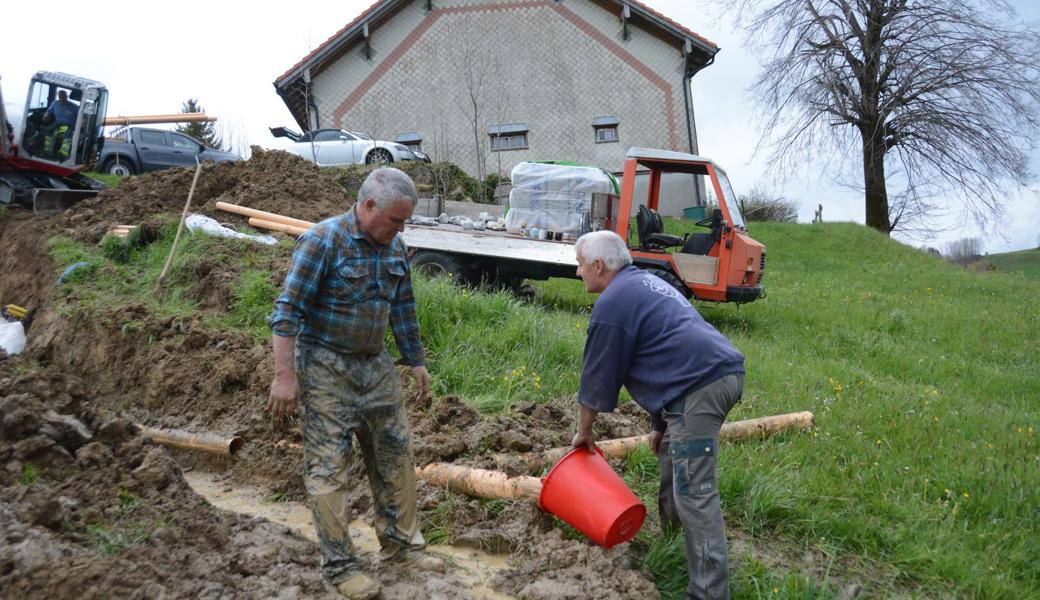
[206,442]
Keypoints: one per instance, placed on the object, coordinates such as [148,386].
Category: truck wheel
[441,264]
[379,156]
[121,168]
[672,280]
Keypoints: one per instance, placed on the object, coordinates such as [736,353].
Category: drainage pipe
[264,215]
[481,482]
[206,442]
[620,448]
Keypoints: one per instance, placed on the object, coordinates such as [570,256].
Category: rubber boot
[359,587]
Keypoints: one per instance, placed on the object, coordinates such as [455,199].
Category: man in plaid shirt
[349,280]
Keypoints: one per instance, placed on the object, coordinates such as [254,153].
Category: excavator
[42,162]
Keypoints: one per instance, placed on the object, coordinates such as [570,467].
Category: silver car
[336,147]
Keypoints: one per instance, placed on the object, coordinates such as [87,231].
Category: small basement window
[412,139]
[508,136]
[605,128]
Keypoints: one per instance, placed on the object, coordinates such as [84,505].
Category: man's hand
[655,440]
[585,438]
[284,397]
[422,382]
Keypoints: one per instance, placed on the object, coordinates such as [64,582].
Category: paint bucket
[589,496]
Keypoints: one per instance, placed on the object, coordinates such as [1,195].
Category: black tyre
[442,264]
[122,168]
[379,156]
[672,280]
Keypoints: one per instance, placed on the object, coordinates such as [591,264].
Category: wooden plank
[696,268]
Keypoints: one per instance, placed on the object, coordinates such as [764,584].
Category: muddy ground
[89,508]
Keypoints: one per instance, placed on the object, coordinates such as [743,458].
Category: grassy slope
[921,374]
[1026,262]
[924,381]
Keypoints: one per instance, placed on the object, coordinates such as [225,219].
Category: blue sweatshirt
[644,335]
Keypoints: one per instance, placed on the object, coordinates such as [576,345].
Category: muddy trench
[89,508]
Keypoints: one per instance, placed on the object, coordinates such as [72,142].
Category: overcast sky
[227,54]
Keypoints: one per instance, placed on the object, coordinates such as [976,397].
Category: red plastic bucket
[589,496]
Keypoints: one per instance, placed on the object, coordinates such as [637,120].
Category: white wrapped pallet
[553,197]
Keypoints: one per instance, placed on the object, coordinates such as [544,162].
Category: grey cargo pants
[343,396]
[687,456]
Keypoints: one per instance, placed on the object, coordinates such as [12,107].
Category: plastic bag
[196,222]
[12,337]
[553,197]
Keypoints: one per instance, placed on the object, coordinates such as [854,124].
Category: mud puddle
[472,568]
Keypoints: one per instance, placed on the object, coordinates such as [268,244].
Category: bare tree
[477,70]
[234,135]
[946,90]
[963,250]
[759,204]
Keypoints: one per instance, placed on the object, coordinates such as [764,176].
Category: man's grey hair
[606,246]
[387,186]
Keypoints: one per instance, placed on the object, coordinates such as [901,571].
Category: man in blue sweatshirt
[644,335]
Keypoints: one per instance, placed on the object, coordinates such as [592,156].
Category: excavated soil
[103,485]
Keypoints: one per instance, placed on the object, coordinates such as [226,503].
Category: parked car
[140,149]
[335,147]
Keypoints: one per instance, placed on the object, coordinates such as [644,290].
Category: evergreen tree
[203,132]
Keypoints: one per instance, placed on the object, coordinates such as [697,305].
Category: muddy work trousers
[688,460]
[343,396]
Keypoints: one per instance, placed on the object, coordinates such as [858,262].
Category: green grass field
[1025,262]
[922,475]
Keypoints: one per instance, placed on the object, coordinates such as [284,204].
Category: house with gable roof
[487,84]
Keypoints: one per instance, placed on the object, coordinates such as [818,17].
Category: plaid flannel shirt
[342,291]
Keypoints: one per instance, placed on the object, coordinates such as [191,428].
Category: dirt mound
[89,509]
[271,180]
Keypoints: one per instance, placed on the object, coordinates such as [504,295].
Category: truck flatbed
[489,244]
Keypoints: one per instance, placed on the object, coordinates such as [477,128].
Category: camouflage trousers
[688,455]
[343,396]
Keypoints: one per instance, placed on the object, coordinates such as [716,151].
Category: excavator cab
[63,119]
[41,166]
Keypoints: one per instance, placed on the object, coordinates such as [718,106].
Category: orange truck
[721,264]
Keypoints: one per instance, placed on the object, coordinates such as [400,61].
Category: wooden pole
[180,227]
[264,215]
[207,442]
[168,118]
[480,482]
[282,227]
[620,448]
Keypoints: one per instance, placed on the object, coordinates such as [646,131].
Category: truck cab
[723,264]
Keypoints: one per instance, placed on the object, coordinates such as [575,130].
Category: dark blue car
[139,149]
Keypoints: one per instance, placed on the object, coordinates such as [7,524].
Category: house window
[508,136]
[605,129]
[411,139]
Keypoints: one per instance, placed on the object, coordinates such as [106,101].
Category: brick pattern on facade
[553,66]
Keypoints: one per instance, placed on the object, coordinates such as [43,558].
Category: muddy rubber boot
[359,587]
[422,561]
[418,560]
